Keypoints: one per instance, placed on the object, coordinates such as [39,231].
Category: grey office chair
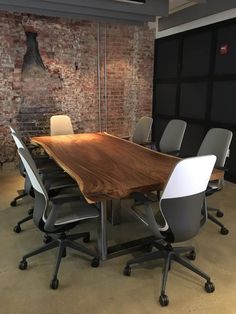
[140,136]
[217,142]
[172,137]
[61,125]
[22,172]
[42,161]
[55,216]
[142,130]
[178,219]
[52,175]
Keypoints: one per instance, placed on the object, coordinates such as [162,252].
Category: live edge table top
[107,167]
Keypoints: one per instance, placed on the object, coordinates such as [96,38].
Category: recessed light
[132,1]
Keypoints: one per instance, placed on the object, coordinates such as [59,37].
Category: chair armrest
[175,153]
[32,146]
[35,147]
[53,189]
[140,198]
[133,210]
[53,175]
[65,198]
[150,144]
[186,156]
[127,137]
[210,191]
[148,219]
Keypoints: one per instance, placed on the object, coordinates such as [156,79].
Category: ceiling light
[132,1]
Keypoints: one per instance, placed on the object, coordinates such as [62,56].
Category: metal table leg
[106,252]
[102,232]
[114,211]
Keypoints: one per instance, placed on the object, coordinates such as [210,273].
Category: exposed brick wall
[129,76]
[69,52]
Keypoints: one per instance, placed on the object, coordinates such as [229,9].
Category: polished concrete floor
[104,290]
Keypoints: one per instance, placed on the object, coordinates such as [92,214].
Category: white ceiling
[185,11]
[91,9]
[177,5]
[170,12]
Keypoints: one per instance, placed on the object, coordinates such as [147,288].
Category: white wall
[225,15]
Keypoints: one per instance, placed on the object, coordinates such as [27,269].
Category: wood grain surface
[107,167]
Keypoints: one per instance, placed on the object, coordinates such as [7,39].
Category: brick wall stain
[69,53]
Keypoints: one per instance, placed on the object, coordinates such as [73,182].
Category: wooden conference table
[107,167]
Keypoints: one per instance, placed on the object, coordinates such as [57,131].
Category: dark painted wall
[195,80]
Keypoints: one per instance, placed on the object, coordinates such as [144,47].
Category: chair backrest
[142,130]
[41,196]
[61,125]
[172,136]
[12,130]
[217,142]
[18,141]
[17,138]
[183,197]
[20,144]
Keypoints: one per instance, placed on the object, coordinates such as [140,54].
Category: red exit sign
[224,49]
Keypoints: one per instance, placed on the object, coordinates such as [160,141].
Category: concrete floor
[105,290]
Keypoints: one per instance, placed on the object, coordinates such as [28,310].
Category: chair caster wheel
[209,287]
[95,262]
[13,204]
[30,211]
[219,214]
[17,229]
[54,284]
[86,239]
[23,264]
[127,271]
[224,231]
[192,255]
[163,300]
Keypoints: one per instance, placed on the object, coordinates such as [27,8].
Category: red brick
[28,103]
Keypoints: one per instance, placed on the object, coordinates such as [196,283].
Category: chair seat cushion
[74,211]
